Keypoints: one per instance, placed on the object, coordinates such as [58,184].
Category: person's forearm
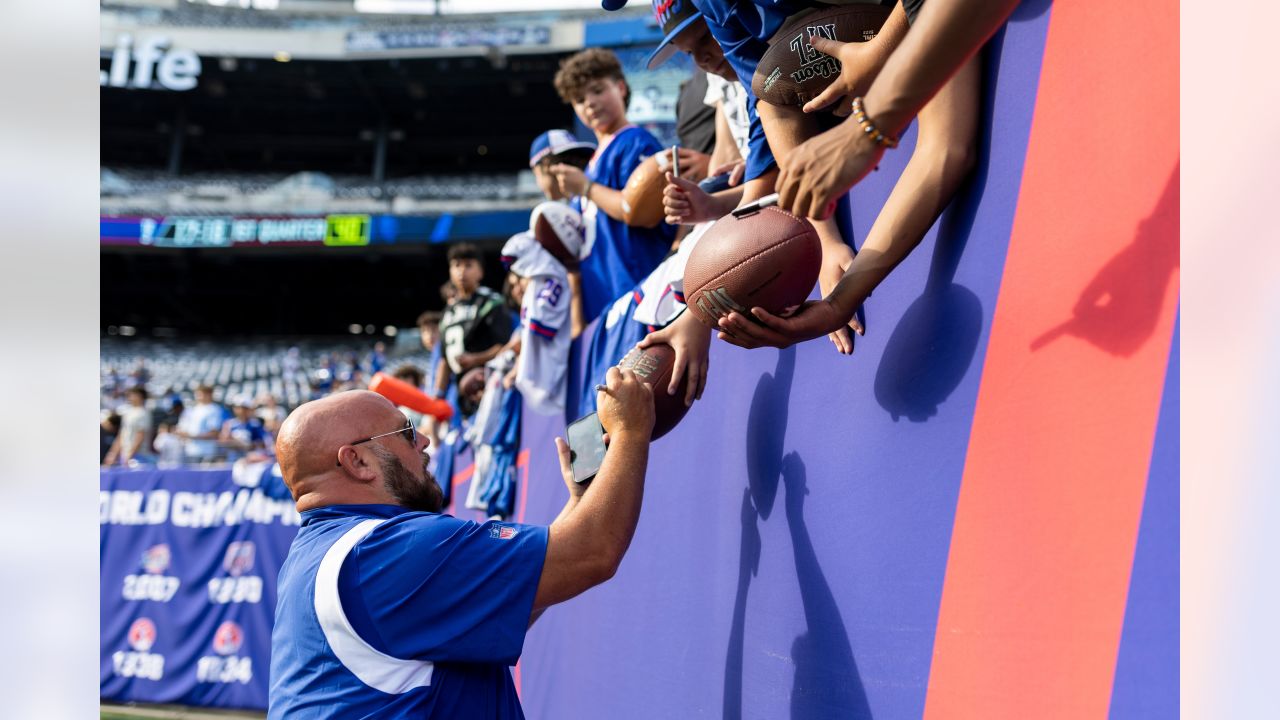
[726,200]
[575,305]
[568,508]
[607,199]
[753,190]
[489,354]
[945,35]
[442,377]
[608,512]
[944,155]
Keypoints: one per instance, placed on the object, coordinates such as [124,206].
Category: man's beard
[408,491]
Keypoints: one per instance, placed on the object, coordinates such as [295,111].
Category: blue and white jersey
[544,344]
[743,28]
[389,613]
[616,256]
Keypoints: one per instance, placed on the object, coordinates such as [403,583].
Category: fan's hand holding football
[859,64]
[626,405]
[812,320]
[691,340]
[821,169]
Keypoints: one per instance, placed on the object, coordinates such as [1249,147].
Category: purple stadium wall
[796,556]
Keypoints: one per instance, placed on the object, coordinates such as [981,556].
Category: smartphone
[586,447]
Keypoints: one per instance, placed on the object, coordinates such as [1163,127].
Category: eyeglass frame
[408,427]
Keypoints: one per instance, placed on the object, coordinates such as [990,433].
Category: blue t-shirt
[433,611]
[743,28]
[249,432]
[620,256]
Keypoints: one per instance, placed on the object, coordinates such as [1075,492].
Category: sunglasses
[408,428]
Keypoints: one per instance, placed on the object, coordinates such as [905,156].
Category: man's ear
[357,464]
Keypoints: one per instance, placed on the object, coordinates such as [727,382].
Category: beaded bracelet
[869,128]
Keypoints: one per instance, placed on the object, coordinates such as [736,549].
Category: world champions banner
[189,560]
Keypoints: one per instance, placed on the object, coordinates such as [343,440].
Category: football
[653,365]
[642,195]
[559,229]
[769,259]
[791,72]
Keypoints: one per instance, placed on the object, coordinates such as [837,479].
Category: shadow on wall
[766,430]
[827,683]
[1118,309]
[934,344]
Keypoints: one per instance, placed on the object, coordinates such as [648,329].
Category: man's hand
[576,489]
[691,340]
[571,179]
[812,320]
[859,64]
[835,261]
[821,169]
[687,204]
[736,169]
[625,407]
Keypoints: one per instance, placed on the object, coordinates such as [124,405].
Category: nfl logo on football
[152,584]
[225,666]
[139,662]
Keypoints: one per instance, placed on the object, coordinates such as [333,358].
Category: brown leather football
[768,259]
[559,229]
[791,72]
[642,195]
[653,365]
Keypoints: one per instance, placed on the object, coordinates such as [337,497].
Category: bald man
[388,609]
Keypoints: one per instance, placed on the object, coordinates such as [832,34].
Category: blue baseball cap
[556,142]
[673,17]
[612,4]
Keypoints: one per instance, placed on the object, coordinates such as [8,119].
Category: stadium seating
[237,368]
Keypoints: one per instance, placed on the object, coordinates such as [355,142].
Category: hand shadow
[827,683]
[1118,309]
[766,429]
[748,566]
[934,343]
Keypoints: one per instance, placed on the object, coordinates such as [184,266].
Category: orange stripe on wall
[1047,518]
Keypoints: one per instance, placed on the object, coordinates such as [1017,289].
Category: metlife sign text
[151,65]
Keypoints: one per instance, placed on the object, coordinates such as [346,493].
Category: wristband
[869,127]
[586,191]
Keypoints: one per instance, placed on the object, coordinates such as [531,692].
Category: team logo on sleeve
[139,662]
[502,532]
[239,558]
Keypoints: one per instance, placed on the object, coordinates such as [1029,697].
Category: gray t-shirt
[133,420]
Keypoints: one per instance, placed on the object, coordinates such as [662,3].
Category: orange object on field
[402,393]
